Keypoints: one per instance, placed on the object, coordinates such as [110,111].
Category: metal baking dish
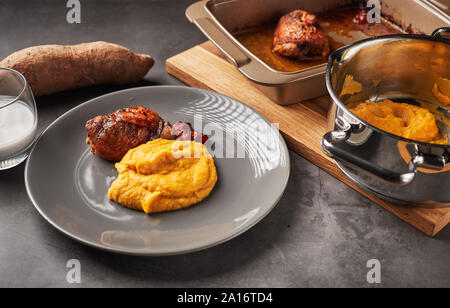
[443,5]
[219,19]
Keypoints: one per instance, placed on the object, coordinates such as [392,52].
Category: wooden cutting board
[302,125]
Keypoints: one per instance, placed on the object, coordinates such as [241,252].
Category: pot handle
[330,146]
[443,32]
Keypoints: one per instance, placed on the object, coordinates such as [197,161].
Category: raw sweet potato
[54,68]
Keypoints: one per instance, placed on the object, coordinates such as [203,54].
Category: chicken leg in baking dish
[298,35]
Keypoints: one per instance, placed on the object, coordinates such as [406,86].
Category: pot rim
[337,55]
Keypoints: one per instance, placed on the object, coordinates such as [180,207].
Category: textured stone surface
[321,234]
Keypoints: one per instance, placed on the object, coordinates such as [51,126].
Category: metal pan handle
[442,33]
[330,146]
[196,14]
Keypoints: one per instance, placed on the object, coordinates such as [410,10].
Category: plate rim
[137,252]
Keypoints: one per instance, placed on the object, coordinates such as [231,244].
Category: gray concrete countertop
[321,234]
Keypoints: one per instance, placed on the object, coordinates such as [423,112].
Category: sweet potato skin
[54,68]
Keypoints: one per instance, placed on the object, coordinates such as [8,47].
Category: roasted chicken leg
[112,136]
[298,35]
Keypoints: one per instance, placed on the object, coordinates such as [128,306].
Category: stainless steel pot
[403,68]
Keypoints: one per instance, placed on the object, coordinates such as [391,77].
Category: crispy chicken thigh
[298,35]
[112,136]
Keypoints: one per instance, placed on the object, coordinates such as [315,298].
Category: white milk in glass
[17,127]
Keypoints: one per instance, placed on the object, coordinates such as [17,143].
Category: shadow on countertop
[73,97]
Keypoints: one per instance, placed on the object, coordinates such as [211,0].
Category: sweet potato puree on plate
[164,175]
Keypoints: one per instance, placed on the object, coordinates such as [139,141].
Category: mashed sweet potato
[164,175]
[400,119]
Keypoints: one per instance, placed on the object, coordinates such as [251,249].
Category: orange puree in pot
[441,90]
[404,120]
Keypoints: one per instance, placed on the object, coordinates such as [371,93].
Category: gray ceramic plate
[68,185]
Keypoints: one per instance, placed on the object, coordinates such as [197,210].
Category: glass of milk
[18,118]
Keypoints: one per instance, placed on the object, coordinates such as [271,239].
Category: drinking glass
[18,118]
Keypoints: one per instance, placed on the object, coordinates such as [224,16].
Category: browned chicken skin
[112,136]
[298,35]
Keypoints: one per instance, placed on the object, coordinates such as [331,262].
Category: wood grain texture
[302,125]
